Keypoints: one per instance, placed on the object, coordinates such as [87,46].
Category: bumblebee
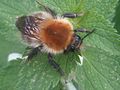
[47,32]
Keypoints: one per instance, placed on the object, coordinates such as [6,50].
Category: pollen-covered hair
[56,34]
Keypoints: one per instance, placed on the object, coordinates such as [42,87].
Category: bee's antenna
[86,31]
[53,13]
[88,34]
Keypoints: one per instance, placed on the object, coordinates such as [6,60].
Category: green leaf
[105,8]
[7,47]
[105,36]
[10,10]
[9,76]
[23,76]
[100,70]
[35,75]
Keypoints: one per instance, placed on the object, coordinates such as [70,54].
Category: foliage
[101,51]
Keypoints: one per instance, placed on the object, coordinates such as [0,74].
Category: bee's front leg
[54,64]
[34,52]
[72,15]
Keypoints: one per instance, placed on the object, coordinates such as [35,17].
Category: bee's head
[75,43]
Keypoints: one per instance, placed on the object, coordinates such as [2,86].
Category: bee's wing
[27,26]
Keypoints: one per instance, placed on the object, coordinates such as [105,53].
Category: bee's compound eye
[73,46]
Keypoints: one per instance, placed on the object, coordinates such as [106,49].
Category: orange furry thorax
[56,33]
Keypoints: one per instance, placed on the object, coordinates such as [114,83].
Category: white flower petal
[14,56]
[81,60]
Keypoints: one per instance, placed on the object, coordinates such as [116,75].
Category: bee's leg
[72,15]
[83,30]
[28,47]
[54,64]
[34,52]
[86,31]
[47,9]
